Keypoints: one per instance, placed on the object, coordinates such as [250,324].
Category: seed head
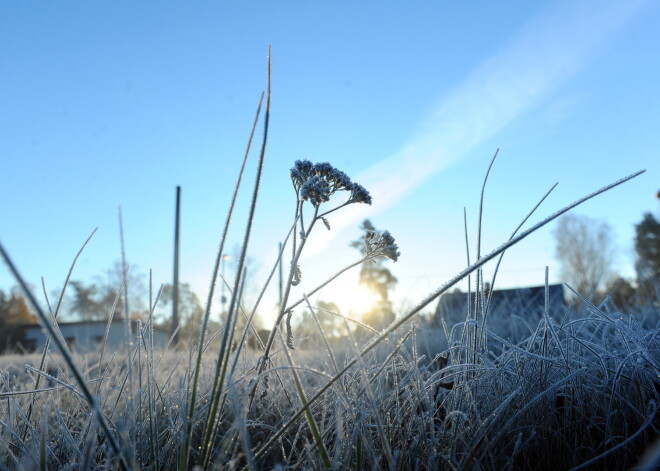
[381,244]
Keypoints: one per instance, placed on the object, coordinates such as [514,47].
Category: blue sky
[106,104]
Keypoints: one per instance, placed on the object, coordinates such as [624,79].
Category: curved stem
[335,209]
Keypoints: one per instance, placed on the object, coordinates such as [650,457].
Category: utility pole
[279,304]
[175,277]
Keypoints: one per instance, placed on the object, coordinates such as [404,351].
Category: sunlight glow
[352,298]
[361,299]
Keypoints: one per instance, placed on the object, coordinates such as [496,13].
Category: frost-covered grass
[579,391]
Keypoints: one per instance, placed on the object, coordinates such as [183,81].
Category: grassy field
[578,391]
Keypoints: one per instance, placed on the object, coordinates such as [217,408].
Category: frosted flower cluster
[317,182]
[315,190]
[381,244]
[359,194]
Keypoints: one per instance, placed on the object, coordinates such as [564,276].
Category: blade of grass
[108,325]
[221,367]
[649,421]
[325,458]
[322,333]
[377,417]
[479,290]
[128,336]
[54,314]
[185,449]
[242,428]
[499,260]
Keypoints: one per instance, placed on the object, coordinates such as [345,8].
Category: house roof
[453,306]
[80,323]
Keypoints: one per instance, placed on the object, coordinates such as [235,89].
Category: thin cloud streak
[547,52]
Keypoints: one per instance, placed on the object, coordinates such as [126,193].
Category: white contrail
[549,50]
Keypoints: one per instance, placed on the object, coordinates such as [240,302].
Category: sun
[352,298]
[361,299]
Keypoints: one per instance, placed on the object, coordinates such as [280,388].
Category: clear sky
[105,104]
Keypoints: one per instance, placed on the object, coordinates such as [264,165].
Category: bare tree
[190,308]
[84,303]
[585,249]
[109,284]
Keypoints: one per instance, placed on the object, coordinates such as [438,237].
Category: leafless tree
[586,251]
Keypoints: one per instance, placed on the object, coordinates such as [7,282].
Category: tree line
[585,248]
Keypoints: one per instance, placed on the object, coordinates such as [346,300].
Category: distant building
[527,303]
[84,336]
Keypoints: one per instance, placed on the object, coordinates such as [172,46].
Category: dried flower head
[302,170]
[359,194]
[317,182]
[336,179]
[323,169]
[315,190]
[381,244]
